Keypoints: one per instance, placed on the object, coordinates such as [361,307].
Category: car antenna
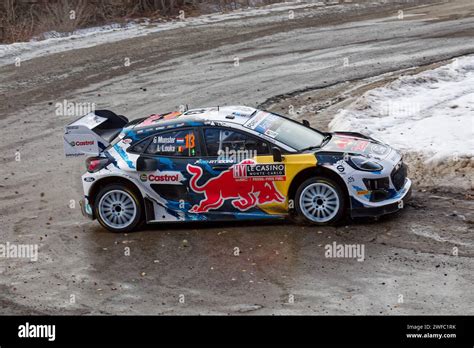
[217,107]
[186,107]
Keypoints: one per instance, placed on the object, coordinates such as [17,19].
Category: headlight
[364,163]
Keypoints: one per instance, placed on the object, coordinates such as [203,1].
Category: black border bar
[259,330]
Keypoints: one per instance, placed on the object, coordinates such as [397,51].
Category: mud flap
[149,210]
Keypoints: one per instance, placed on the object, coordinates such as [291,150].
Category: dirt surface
[418,261]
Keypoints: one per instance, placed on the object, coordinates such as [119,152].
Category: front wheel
[118,208]
[319,201]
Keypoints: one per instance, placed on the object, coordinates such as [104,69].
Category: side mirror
[305,123]
[277,157]
[146,164]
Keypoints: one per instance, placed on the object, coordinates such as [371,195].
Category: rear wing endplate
[92,133]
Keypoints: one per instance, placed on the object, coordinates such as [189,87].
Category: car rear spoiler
[92,133]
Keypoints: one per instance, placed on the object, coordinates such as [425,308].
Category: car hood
[356,143]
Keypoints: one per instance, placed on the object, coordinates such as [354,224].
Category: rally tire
[319,201]
[118,208]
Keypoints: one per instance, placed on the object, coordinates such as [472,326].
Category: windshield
[286,131]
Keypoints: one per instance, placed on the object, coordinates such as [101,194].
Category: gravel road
[418,261]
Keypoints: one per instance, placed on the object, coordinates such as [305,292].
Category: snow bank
[428,116]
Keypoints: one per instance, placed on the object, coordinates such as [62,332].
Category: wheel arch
[317,171]
[101,183]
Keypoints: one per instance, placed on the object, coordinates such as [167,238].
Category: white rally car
[230,163]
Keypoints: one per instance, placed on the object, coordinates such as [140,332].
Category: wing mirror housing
[277,157]
[146,164]
[305,123]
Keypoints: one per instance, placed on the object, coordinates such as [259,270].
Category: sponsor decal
[254,121]
[82,143]
[271,133]
[360,146]
[259,171]
[351,144]
[342,143]
[269,125]
[240,114]
[161,177]
[214,161]
[127,140]
[90,121]
[244,194]
[172,115]
[89,179]
[363,192]
[378,149]
[150,120]
[340,168]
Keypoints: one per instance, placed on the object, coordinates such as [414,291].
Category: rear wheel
[319,201]
[118,208]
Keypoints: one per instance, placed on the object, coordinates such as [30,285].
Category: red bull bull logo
[244,194]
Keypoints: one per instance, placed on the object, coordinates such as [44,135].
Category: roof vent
[230,117]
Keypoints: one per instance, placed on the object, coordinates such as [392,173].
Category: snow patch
[429,232]
[428,116]
[55,42]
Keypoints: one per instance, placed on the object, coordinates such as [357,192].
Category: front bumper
[384,209]
[86,209]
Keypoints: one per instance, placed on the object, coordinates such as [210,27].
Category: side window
[221,141]
[140,147]
[177,143]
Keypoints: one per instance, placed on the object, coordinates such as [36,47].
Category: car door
[166,178]
[219,178]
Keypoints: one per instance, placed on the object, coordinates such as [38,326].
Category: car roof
[228,114]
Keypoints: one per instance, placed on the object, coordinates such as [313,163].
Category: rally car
[230,163]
